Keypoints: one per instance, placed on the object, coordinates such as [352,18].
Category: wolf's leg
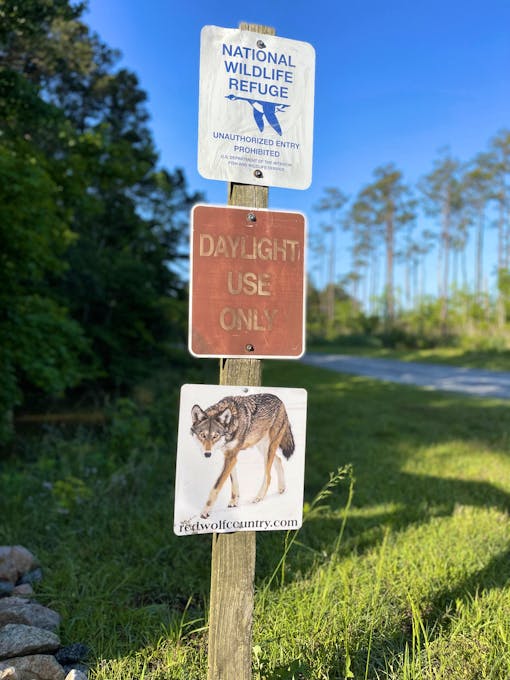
[265,481]
[279,473]
[234,496]
[228,466]
[274,442]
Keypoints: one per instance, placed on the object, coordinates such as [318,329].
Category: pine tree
[384,206]
[332,203]
[441,196]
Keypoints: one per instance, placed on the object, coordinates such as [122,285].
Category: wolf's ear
[197,414]
[225,417]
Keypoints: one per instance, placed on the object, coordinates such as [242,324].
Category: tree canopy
[397,227]
[91,226]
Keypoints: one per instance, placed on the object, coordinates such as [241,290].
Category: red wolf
[236,423]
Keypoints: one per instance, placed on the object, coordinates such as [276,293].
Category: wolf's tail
[287,443]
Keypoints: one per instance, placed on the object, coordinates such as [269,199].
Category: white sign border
[216,159]
[247,355]
[195,474]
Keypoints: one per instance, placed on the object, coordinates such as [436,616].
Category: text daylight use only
[247,289]
[255,108]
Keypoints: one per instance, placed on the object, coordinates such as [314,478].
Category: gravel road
[480,383]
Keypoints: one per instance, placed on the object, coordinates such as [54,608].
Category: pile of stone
[30,648]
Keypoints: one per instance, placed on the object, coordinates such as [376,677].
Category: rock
[23,590]
[30,577]
[15,561]
[77,667]
[9,673]
[29,646]
[8,571]
[72,654]
[17,639]
[36,667]
[76,674]
[19,610]
[6,588]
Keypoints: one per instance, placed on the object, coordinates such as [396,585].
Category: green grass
[401,571]
[453,356]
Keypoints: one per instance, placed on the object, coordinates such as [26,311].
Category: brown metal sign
[247,283]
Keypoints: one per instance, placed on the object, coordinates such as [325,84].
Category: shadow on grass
[430,497]
[494,575]
[124,539]
[380,429]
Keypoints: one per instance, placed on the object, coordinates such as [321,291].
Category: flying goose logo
[263,112]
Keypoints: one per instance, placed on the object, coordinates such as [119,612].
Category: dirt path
[480,383]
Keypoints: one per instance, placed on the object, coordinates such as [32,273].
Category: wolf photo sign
[240,459]
[256,103]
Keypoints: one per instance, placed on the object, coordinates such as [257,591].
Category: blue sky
[395,81]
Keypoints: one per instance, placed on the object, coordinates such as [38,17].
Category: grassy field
[401,570]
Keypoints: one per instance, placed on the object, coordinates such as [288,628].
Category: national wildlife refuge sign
[255,108]
[240,459]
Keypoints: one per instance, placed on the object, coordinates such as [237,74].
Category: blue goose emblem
[263,111]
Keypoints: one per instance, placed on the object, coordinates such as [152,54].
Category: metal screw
[258,173]
[261,44]
[251,217]
[250,348]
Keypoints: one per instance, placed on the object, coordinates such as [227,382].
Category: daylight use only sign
[255,108]
[247,282]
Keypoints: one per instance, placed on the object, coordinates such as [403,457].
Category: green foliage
[40,343]
[92,229]
[46,344]
[33,233]
[129,429]
[70,492]
[473,322]
[504,291]
[345,317]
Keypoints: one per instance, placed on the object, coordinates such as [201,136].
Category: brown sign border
[208,289]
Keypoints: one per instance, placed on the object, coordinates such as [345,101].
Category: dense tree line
[90,225]
[391,222]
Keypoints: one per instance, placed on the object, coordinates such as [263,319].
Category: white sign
[255,108]
[240,459]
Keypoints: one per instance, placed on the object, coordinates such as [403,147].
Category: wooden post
[233,555]
[232,572]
